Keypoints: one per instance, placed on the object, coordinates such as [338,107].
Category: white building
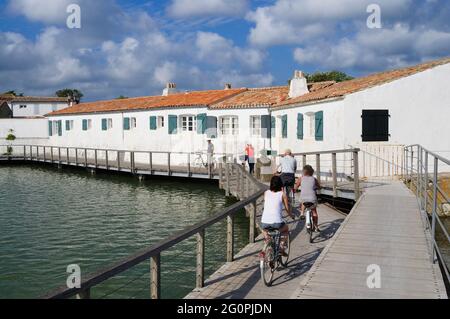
[33,106]
[379,112]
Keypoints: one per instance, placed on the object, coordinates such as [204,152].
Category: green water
[50,219]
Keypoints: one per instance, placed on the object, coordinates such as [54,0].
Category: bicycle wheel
[267,266]
[311,229]
[284,260]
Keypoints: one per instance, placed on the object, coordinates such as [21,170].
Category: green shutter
[201,123]
[173,124]
[153,123]
[274,126]
[60,128]
[266,126]
[300,126]
[211,123]
[319,126]
[50,128]
[126,123]
[104,124]
[67,125]
[284,126]
[85,125]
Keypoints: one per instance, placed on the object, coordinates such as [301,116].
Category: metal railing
[431,197]
[98,158]
[319,159]
[244,184]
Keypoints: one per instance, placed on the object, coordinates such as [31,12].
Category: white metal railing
[430,195]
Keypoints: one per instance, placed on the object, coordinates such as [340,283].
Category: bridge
[389,233]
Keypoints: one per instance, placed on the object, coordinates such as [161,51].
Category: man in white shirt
[288,168]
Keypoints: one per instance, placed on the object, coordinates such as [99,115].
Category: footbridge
[393,243]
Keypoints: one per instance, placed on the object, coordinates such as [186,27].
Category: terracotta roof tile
[343,88]
[195,98]
[263,97]
[11,98]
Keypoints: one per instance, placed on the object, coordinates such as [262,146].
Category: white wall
[35,108]
[27,131]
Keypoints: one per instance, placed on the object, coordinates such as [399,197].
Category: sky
[133,48]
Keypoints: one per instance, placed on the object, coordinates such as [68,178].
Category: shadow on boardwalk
[241,278]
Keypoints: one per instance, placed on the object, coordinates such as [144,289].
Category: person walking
[210,155]
[250,157]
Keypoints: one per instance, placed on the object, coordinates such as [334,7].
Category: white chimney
[228,86]
[298,86]
[171,88]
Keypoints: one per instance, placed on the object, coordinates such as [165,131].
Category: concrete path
[241,278]
[385,229]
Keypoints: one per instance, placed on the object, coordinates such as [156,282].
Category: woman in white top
[308,185]
[274,200]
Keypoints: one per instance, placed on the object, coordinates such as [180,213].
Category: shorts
[274,226]
[313,202]
[288,179]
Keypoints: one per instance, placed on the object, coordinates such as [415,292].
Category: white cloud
[49,11]
[207,8]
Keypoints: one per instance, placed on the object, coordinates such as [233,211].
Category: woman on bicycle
[272,218]
[308,185]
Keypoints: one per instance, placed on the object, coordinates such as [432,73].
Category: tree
[70,93]
[122,97]
[10,138]
[13,93]
[337,76]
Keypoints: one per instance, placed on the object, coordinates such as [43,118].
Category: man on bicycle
[288,167]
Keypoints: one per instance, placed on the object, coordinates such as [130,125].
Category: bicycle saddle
[308,205]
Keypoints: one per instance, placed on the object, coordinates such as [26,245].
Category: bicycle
[200,162]
[271,257]
[309,220]
[289,190]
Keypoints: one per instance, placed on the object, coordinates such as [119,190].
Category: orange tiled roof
[12,98]
[343,88]
[263,97]
[195,98]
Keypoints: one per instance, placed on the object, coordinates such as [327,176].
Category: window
[69,125]
[375,125]
[160,121]
[133,123]
[86,124]
[284,126]
[107,124]
[255,125]
[300,120]
[229,125]
[318,117]
[129,123]
[189,123]
[57,128]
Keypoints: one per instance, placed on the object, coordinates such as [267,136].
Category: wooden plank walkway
[241,279]
[386,228]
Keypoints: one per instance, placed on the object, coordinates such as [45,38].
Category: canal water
[50,219]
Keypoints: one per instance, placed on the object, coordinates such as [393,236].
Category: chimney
[171,88]
[298,85]
[228,86]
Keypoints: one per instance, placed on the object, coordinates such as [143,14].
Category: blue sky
[134,47]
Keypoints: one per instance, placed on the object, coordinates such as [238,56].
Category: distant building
[33,106]
[5,111]
[400,107]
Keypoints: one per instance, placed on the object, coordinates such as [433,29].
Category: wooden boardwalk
[387,229]
[241,278]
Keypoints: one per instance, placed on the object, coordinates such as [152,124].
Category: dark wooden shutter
[284,126]
[104,124]
[375,126]
[153,123]
[85,125]
[266,126]
[319,126]
[300,126]
[59,128]
[211,124]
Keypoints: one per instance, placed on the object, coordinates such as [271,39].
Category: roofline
[295,105]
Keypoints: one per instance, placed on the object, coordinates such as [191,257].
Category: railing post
[85,294]
[426,183]
[419,151]
[356,175]
[220,175]
[24,152]
[132,164]
[239,183]
[95,158]
[59,155]
[412,165]
[406,155]
[150,162]
[189,164]
[252,223]
[435,205]
[318,168]
[334,173]
[169,171]
[67,155]
[85,158]
[227,179]
[230,238]
[155,276]
[107,160]
[118,160]
[37,153]
[51,153]
[200,276]
[76,156]
[45,159]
